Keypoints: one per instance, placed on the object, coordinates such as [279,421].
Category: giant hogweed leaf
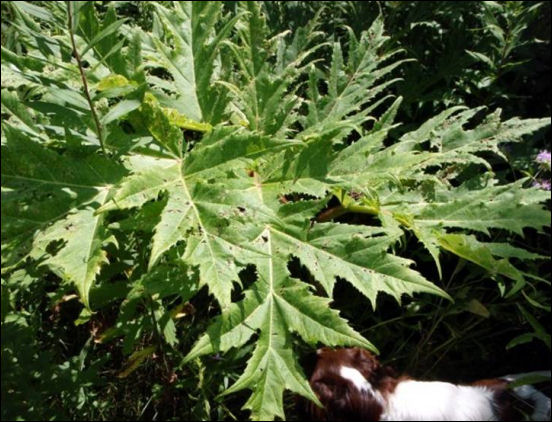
[455,144]
[361,167]
[82,254]
[357,168]
[470,207]
[505,250]
[372,141]
[209,219]
[469,248]
[186,43]
[364,164]
[56,195]
[275,306]
[366,161]
[352,86]
[357,254]
[328,253]
[509,207]
[317,168]
[202,216]
[264,89]
[302,172]
[221,201]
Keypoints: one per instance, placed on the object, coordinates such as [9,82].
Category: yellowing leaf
[114,81]
[135,360]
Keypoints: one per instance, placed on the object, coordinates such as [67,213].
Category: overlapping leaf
[352,86]
[185,42]
[54,196]
[206,217]
[275,306]
[264,90]
[212,102]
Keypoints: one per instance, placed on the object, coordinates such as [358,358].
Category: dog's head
[348,382]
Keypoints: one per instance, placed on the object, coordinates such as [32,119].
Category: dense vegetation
[197,195]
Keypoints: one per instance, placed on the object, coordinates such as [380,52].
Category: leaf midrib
[198,218]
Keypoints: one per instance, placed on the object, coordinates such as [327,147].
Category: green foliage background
[197,195]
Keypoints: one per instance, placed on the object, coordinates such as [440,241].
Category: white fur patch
[439,401]
[354,375]
[356,378]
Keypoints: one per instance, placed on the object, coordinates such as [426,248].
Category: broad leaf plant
[173,160]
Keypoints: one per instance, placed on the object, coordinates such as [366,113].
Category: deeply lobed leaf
[217,134]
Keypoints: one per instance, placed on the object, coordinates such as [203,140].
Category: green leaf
[114,81]
[11,103]
[469,248]
[163,130]
[121,109]
[352,86]
[242,147]
[476,307]
[530,378]
[36,11]
[275,305]
[65,193]
[183,122]
[106,32]
[521,339]
[327,253]
[135,360]
[186,43]
[482,58]
[505,207]
[206,217]
[264,94]
[82,254]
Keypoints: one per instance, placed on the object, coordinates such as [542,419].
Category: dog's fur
[353,385]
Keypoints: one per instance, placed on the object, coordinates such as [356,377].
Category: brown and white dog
[353,385]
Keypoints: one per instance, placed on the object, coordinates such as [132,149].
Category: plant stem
[157,334]
[339,210]
[363,209]
[331,213]
[99,131]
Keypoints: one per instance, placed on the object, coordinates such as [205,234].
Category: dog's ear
[367,363]
[361,406]
[365,355]
[308,411]
[326,393]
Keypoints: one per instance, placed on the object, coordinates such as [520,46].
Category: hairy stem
[99,130]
